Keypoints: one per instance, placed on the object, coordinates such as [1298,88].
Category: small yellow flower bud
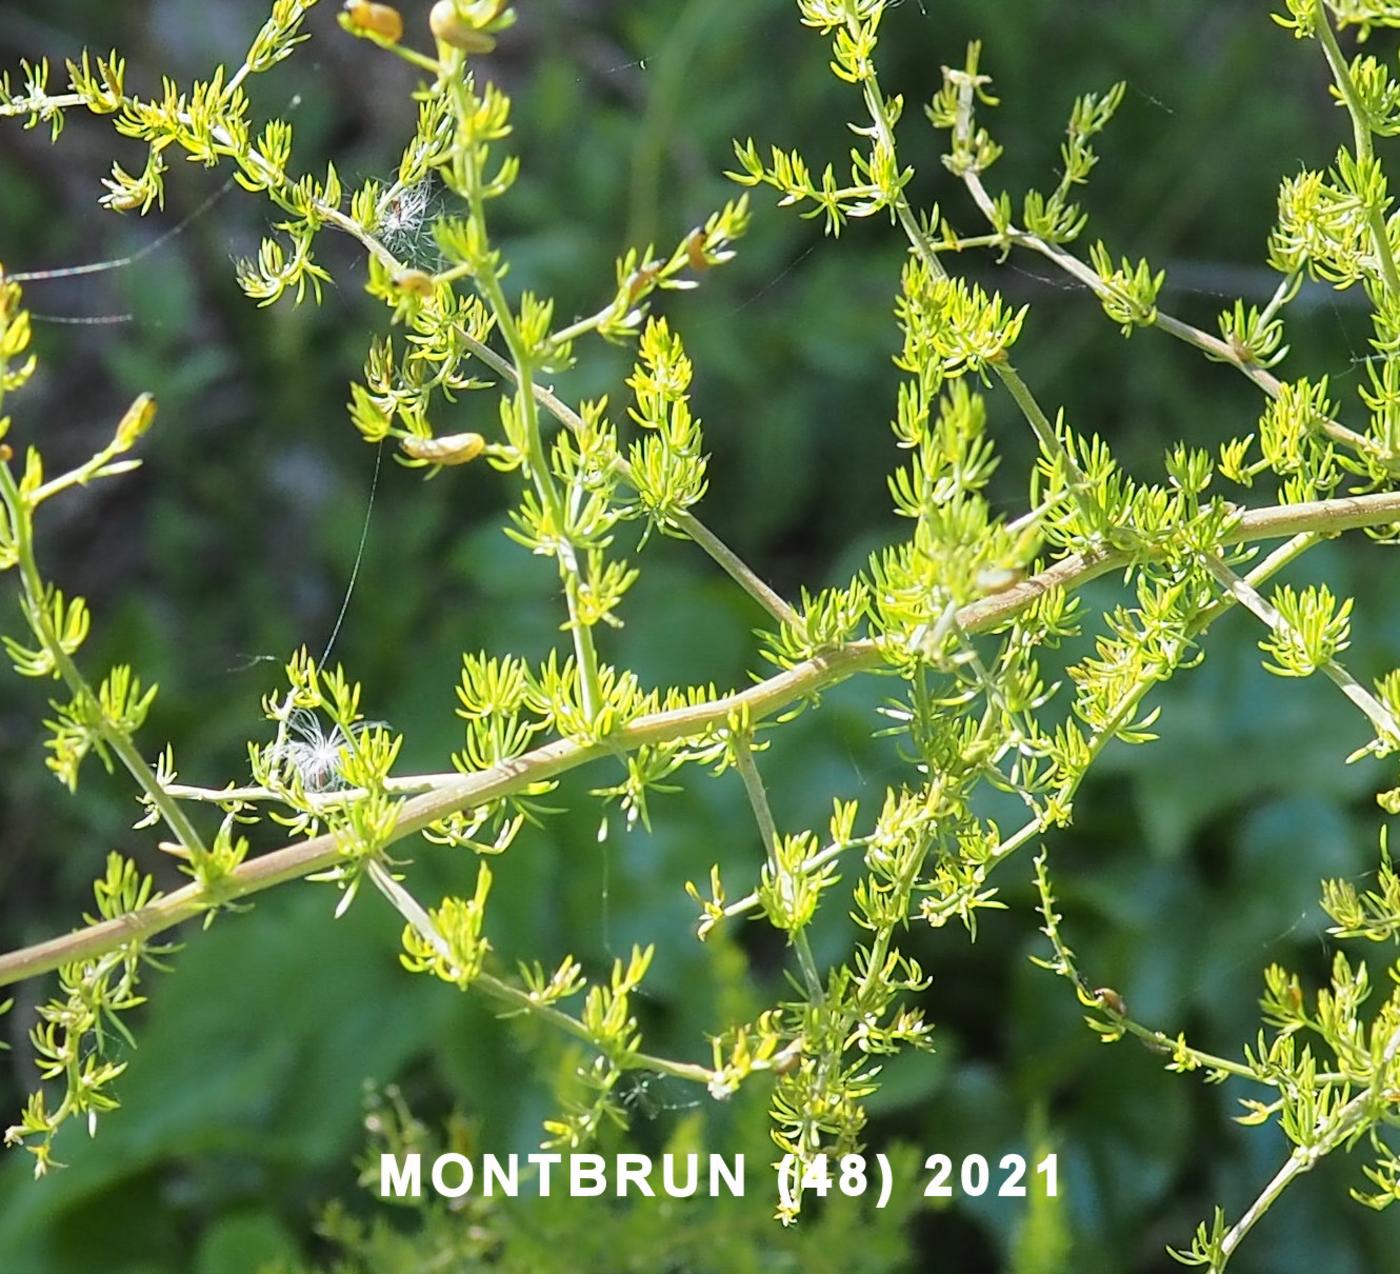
[137,420]
[452,29]
[451,449]
[125,201]
[419,282]
[382,21]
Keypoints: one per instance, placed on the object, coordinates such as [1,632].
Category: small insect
[449,449]
[640,281]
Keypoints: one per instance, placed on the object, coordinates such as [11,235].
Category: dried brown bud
[788,1060]
[695,250]
[1111,1000]
[640,282]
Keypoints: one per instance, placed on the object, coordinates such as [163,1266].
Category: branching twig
[768,832]
[512,997]
[1387,728]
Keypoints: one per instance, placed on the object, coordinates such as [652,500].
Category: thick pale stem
[463,792]
[1124,713]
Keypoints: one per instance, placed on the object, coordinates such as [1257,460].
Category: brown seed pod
[380,20]
[1111,1000]
[449,450]
[787,1061]
[449,27]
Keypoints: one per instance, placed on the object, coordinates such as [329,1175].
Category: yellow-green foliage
[957,614]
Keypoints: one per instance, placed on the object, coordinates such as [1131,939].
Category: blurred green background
[1193,863]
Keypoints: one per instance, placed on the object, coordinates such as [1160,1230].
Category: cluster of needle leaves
[964,615]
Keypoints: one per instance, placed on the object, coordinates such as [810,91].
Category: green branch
[768,832]
[1365,151]
[1210,345]
[517,1000]
[117,739]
